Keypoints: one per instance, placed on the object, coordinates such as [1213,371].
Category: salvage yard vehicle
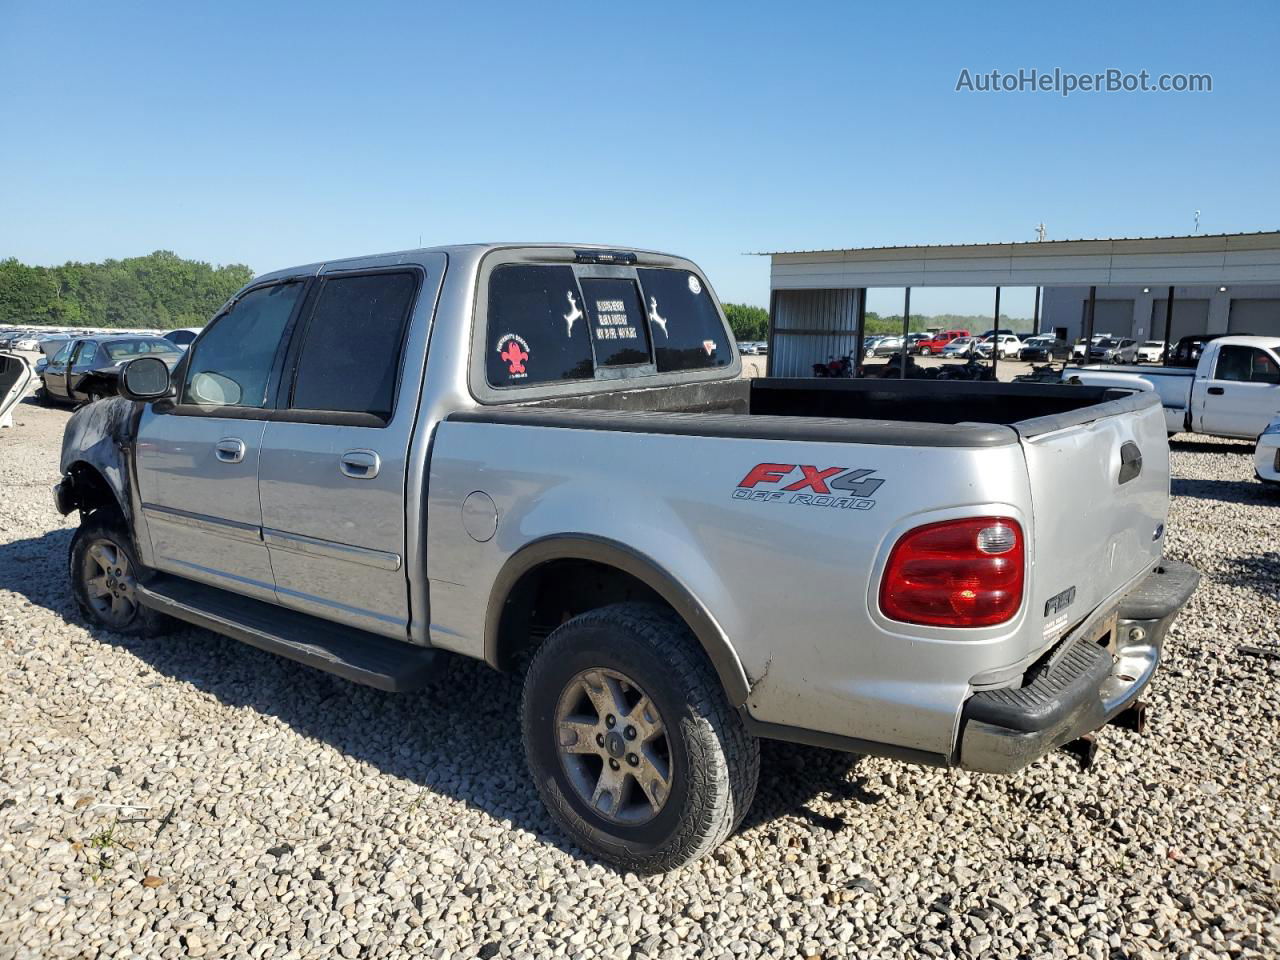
[1044,348]
[1233,391]
[937,342]
[1152,351]
[15,375]
[546,455]
[89,368]
[1266,455]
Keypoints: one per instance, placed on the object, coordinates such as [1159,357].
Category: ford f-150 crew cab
[545,457]
[1234,390]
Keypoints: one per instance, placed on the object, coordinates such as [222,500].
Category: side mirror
[146,378]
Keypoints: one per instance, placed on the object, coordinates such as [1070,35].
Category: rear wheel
[925,351]
[632,745]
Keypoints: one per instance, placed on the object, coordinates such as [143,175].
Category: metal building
[1219,283]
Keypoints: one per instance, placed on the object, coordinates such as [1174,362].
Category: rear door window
[618,330]
[537,326]
[350,357]
[687,331]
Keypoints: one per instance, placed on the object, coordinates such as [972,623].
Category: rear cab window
[565,327]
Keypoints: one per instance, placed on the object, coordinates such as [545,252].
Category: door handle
[229,450]
[1217,391]
[360,464]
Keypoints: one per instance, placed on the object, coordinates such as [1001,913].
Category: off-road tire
[106,525]
[715,762]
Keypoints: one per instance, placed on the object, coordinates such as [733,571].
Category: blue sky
[273,135]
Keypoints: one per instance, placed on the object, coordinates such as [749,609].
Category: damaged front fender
[97,455]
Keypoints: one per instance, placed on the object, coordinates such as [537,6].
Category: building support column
[995,342]
[859,331]
[773,314]
[1168,324]
[906,323]
[1088,324]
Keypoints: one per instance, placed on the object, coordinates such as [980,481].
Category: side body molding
[611,553]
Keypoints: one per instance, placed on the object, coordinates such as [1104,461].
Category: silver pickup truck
[545,457]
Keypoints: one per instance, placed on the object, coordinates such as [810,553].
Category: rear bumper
[1082,684]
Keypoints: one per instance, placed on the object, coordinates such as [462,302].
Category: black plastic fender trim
[611,553]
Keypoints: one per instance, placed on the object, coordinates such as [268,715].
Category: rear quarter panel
[793,586]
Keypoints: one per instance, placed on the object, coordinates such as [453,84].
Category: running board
[353,654]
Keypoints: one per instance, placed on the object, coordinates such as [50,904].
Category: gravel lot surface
[194,797]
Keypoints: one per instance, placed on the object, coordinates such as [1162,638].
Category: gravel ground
[194,797]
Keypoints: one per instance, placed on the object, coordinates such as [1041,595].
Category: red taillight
[958,573]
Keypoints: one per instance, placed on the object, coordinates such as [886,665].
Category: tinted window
[1247,364]
[231,366]
[618,330]
[350,359]
[124,349]
[62,354]
[683,321]
[85,354]
[537,327]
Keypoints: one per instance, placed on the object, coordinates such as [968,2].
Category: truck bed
[791,570]
[897,412]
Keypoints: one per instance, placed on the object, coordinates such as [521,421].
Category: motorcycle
[834,368]
[971,369]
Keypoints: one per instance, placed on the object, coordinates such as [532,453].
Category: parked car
[1078,351]
[961,347]
[937,342]
[477,480]
[1007,345]
[988,334]
[1266,454]
[885,346]
[89,368]
[914,340]
[1233,391]
[183,336]
[1152,351]
[15,375]
[1114,350]
[1186,352]
[1044,349]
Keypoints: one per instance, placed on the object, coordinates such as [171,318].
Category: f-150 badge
[848,488]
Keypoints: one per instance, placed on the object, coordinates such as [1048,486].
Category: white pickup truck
[1234,390]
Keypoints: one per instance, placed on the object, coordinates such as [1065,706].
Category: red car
[937,341]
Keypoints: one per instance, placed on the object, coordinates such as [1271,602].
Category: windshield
[126,349]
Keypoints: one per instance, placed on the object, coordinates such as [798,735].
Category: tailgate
[1099,515]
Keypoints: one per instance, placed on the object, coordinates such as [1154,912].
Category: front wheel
[104,577]
[925,351]
[633,747]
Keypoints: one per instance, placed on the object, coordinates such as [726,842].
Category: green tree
[160,290]
[747,322]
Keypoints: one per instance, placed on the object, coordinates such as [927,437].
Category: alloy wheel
[614,746]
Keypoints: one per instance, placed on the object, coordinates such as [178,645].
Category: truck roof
[468,251]
[1243,340]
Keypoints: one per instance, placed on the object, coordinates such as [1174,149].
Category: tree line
[752,323]
[160,290]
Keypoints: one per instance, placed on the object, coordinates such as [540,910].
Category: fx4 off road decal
[847,488]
